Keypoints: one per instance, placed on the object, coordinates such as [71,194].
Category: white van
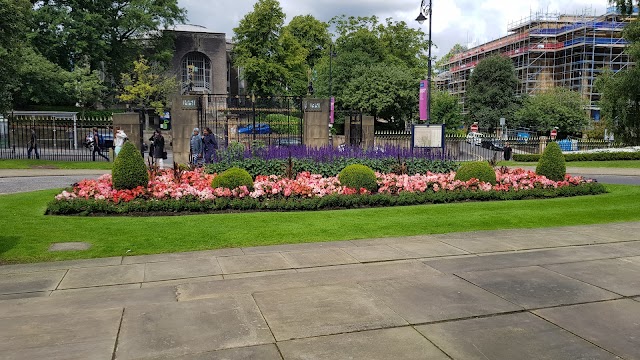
[475,138]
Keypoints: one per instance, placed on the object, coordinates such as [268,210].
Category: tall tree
[85,86]
[625,6]
[271,58]
[41,82]
[456,49]
[147,87]
[313,36]
[15,16]
[446,109]
[559,107]
[491,91]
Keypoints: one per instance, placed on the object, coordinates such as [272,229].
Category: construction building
[550,50]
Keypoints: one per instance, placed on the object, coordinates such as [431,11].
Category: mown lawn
[49,164]
[27,233]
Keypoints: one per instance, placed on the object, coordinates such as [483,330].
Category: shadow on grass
[7,243]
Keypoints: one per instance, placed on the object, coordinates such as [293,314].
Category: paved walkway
[560,293]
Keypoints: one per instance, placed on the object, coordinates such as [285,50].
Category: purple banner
[333,102]
[423,99]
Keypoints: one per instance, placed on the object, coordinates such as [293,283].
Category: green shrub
[129,170]
[233,178]
[551,163]
[284,124]
[358,176]
[476,170]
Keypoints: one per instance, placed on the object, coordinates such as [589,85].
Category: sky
[467,22]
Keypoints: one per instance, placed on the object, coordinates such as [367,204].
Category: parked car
[259,129]
[492,144]
[475,138]
[288,141]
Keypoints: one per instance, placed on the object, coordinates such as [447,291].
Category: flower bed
[191,191]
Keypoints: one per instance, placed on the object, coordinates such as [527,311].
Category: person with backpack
[120,138]
[158,154]
[33,144]
[97,146]
[210,145]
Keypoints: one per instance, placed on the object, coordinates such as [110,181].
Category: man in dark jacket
[158,153]
[33,144]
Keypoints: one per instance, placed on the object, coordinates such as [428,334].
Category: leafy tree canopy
[625,6]
[15,16]
[147,87]
[558,107]
[445,109]
[313,36]
[456,49]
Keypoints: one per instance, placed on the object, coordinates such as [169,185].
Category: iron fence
[271,121]
[56,137]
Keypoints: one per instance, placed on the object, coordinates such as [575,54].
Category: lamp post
[426,12]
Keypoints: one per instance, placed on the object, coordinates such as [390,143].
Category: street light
[425,12]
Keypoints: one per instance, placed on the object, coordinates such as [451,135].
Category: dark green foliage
[129,170]
[358,177]
[257,166]
[284,124]
[603,156]
[551,163]
[190,204]
[476,170]
[233,178]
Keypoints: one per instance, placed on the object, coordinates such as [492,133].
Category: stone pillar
[316,122]
[184,117]
[130,124]
[367,131]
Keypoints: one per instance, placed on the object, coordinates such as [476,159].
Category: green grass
[49,164]
[623,164]
[27,233]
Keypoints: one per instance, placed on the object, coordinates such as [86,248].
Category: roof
[193,29]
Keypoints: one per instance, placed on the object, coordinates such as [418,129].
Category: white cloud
[454,21]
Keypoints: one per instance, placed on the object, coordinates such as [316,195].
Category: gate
[60,136]
[253,120]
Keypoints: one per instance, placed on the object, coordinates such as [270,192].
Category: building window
[196,73]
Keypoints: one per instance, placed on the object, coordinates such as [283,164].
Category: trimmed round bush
[552,163]
[476,170]
[233,178]
[358,176]
[129,170]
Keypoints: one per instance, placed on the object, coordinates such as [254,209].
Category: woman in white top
[119,139]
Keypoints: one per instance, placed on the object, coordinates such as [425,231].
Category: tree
[456,49]
[312,34]
[147,87]
[384,91]
[40,81]
[558,107]
[110,35]
[446,109]
[14,20]
[273,60]
[625,6]
[491,91]
[85,86]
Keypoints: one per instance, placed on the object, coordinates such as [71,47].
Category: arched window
[196,73]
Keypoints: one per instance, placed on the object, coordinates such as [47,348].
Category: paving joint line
[115,345]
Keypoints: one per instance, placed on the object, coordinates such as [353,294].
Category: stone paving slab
[536,287]
[25,295]
[376,253]
[612,325]
[70,246]
[259,352]
[296,247]
[258,274]
[520,336]
[96,290]
[252,263]
[189,328]
[398,343]
[315,258]
[621,276]
[30,282]
[59,265]
[324,310]
[79,335]
[473,244]
[72,302]
[436,298]
[176,282]
[395,240]
[328,276]
[171,270]
[425,249]
[101,276]
[191,255]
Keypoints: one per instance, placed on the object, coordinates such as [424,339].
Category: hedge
[192,205]
[600,156]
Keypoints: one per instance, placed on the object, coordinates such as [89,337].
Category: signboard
[189,103]
[313,105]
[424,85]
[474,128]
[554,134]
[428,136]
[331,110]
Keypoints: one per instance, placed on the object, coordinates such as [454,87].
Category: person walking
[33,144]
[120,138]
[96,146]
[197,147]
[507,150]
[210,145]
[157,140]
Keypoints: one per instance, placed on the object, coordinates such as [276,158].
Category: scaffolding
[551,50]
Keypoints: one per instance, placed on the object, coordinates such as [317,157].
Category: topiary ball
[476,170]
[551,163]
[358,176]
[129,170]
[233,178]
